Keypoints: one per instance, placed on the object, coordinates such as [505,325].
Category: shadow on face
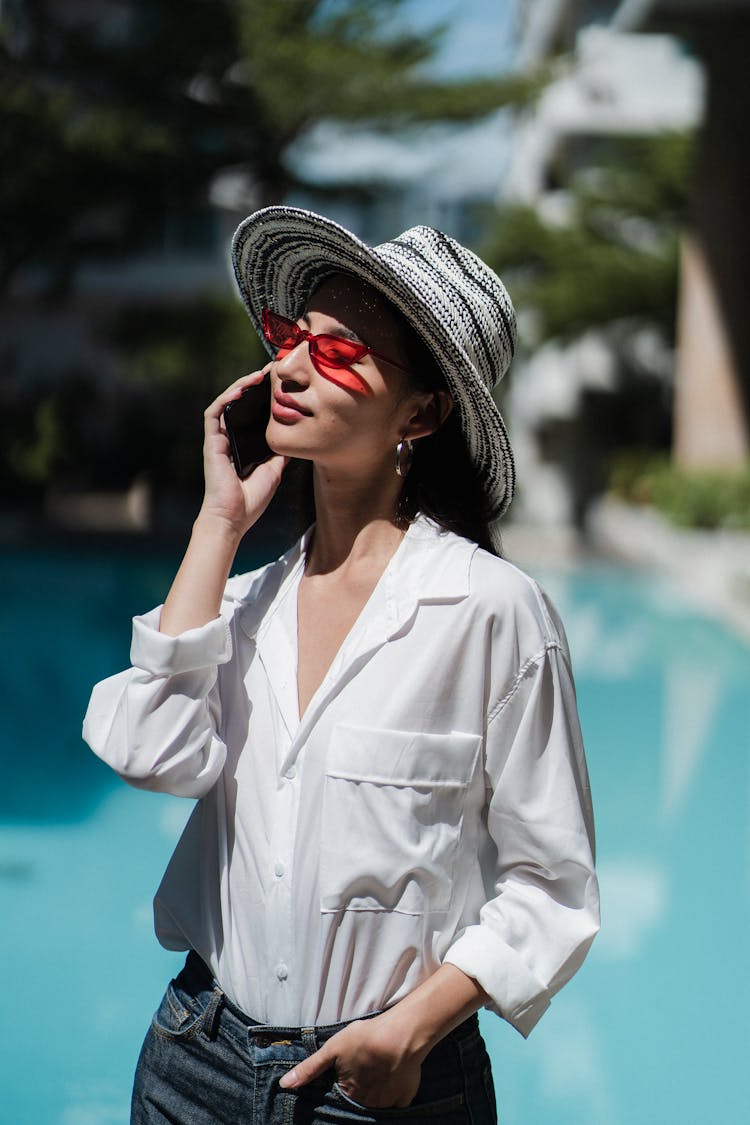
[358,309]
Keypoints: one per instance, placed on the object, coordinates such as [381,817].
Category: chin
[284,444]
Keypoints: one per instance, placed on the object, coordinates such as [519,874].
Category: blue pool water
[653,1029]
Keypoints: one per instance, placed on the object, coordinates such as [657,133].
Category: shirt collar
[421,570]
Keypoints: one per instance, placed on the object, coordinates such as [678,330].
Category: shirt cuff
[162,655]
[515,992]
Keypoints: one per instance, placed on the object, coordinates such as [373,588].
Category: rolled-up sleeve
[157,723]
[535,930]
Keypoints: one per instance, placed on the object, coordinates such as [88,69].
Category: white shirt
[432,804]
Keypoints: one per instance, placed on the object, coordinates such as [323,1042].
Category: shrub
[695,498]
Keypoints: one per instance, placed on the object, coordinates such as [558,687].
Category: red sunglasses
[327,351]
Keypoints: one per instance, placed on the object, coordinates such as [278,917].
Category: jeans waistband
[198,977]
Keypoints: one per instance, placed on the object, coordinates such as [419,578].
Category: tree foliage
[76,432]
[116,117]
[614,254]
[107,126]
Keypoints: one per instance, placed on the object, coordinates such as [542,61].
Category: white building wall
[614,83]
[617,83]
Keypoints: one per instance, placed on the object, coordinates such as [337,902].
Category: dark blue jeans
[204,1062]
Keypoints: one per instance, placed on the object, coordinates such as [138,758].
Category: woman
[393,825]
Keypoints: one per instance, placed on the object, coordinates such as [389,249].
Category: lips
[286,408]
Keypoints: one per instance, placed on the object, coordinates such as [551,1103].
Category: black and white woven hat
[453,301]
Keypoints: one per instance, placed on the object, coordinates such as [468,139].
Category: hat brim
[280,255]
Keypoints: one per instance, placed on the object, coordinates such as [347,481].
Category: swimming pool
[653,1029]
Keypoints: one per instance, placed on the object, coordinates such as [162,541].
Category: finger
[249,380]
[273,467]
[268,475]
[306,1070]
[215,410]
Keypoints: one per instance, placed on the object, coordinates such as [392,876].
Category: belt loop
[211,1016]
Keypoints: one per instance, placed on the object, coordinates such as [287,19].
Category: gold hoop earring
[404,456]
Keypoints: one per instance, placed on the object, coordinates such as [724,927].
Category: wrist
[406,1025]
[219,529]
[435,1008]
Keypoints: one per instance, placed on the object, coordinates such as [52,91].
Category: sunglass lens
[338,352]
[279,331]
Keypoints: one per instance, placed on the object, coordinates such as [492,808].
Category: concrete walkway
[712,568]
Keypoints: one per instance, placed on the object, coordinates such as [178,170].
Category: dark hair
[442,482]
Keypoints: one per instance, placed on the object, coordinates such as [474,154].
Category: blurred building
[638,68]
[441,175]
[618,84]
[712,378]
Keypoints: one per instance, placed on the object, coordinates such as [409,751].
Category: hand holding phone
[246,419]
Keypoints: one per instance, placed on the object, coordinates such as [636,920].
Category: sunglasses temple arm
[393,362]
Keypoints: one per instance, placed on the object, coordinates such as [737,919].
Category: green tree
[107,127]
[615,254]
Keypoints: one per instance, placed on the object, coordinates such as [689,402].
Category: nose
[294,365]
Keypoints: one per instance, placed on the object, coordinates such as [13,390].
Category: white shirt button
[282,972]
[291,773]
[279,869]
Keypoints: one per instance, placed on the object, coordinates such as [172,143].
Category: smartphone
[246,419]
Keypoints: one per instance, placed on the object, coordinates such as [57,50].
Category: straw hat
[452,300]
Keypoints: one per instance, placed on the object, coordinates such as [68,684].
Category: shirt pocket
[392,811]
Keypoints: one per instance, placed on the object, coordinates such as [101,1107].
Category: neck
[353,520]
